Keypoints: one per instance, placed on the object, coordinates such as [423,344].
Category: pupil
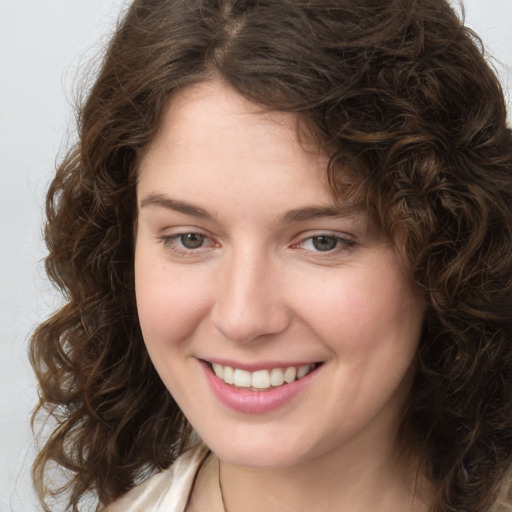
[324,243]
[192,240]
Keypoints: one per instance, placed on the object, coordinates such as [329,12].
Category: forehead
[210,131]
[212,111]
[222,154]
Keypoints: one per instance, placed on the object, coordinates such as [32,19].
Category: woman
[286,225]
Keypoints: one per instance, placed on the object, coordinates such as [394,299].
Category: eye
[187,243]
[325,243]
[191,240]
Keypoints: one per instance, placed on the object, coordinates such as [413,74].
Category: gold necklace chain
[220,489]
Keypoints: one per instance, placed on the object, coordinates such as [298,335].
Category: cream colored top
[168,491]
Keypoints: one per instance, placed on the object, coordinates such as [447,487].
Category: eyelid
[345,242]
[170,241]
[311,233]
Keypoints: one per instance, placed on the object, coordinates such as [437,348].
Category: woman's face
[245,265]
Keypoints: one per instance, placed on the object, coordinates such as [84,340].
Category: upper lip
[255,366]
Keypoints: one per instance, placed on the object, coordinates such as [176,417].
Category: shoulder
[167,490]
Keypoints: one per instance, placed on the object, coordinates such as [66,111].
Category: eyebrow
[314,212]
[161,201]
[295,215]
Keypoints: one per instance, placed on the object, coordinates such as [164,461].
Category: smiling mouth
[261,380]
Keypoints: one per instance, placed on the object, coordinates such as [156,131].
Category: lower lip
[256,402]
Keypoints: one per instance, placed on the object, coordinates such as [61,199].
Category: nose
[250,303]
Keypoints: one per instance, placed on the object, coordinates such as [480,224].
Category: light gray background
[42,44]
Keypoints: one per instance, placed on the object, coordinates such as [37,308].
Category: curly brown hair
[397,91]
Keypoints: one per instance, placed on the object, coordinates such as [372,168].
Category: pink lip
[255,402]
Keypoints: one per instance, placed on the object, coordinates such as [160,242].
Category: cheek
[170,304]
[366,312]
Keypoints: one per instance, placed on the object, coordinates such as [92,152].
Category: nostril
[251,323]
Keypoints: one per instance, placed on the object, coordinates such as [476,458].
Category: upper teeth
[260,379]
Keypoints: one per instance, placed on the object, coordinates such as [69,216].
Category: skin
[257,290]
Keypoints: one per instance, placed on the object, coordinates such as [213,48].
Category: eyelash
[175,243]
[341,244]
[170,242]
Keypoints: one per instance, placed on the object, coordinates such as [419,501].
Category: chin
[259,452]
